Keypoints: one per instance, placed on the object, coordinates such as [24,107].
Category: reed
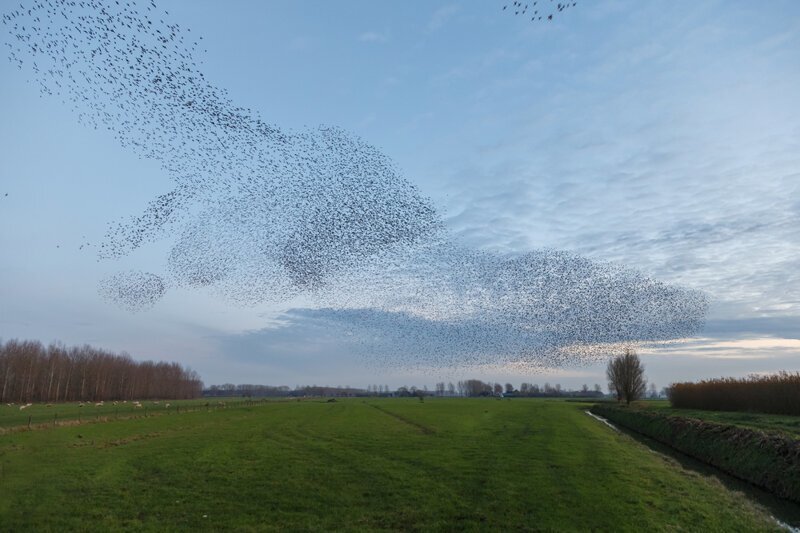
[777,393]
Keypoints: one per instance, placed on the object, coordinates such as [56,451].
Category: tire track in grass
[425,430]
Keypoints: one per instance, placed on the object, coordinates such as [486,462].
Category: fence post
[55,416]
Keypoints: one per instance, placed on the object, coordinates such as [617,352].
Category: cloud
[785,327]
[667,157]
[373,37]
[442,16]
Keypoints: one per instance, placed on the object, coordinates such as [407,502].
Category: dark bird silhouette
[523,9]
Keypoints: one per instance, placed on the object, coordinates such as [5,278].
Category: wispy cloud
[373,37]
[442,16]
[668,157]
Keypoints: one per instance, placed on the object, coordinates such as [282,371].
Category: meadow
[15,416]
[357,464]
[787,424]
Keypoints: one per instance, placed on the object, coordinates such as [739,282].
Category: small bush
[778,394]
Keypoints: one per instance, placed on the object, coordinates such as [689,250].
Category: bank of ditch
[770,460]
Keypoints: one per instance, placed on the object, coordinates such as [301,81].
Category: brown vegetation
[778,393]
[29,372]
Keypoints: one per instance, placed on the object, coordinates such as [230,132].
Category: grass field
[382,464]
[40,414]
[765,422]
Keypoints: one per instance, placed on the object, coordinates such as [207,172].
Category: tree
[653,391]
[509,388]
[625,375]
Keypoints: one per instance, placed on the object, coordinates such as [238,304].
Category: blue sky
[661,135]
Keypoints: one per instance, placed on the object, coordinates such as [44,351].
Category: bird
[523,8]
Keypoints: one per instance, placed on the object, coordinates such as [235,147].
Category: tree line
[31,372]
[467,388]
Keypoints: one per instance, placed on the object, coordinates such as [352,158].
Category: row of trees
[777,393]
[31,372]
[476,387]
[470,388]
[249,390]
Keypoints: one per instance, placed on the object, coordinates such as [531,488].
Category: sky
[664,136]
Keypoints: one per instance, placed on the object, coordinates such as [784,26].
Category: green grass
[39,414]
[765,422]
[376,464]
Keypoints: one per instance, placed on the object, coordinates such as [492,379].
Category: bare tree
[625,375]
[509,388]
[31,372]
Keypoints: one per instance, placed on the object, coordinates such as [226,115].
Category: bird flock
[538,10]
[262,214]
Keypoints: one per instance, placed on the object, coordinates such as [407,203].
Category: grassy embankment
[761,421]
[377,464]
[759,448]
